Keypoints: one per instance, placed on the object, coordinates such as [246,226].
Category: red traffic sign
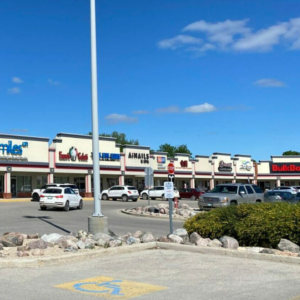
[171,168]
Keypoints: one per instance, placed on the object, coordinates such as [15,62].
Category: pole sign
[171,177]
[149,177]
[169,190]
[171,168]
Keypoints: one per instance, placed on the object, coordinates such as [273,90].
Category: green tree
[290,152]
[171,150]
[120,138]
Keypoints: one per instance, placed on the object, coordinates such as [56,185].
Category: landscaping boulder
[12,239]
[103,243]
[89,244]
[115,243]
[37,252]
[23,248]
[214,243]
[102,236]
[70,249]
[33,236]
[80,244]
[132,240]
[39,244]
[269,251]
[194,237]
[81,233]
[67,243]
[183,234]
[51,238]
[22,254]
[203,242]
[148,238]
[125,237]
[288,245]
[229,242]
[164,239]
[175,239]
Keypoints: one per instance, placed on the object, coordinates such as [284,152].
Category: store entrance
[13,184]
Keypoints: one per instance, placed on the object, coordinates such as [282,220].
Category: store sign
[161,159]
[184,164]
[246,165]
[284,168]
[144,157]
[225,167]
[9,148]
[108,156]
[72,155]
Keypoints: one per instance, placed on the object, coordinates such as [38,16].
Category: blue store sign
[9,148]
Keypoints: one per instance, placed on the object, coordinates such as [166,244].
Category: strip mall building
[29,162]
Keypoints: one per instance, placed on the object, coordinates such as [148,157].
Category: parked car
[60,197]
[37,192]
[280,196]
[230,194]
[193,194]
[124,192]
[286,189]
[157,192]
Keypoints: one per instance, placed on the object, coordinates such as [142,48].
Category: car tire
[43,208]
[193,198]
[67,206]
[124,198]
[36,197]
[80,206]
[104,197]
[145,196]
[258,201]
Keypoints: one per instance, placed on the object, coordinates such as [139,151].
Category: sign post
[149,180]
[169,194]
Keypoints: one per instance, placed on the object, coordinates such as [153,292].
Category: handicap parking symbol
[113,288]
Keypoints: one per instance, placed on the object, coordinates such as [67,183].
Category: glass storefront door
[13,184]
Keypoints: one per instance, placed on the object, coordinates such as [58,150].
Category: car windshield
[226,189]
[132,188]
[52,191]
[72,186]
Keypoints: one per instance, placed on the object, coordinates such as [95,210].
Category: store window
[80,183]
[24,184]
[41,181]
[61,180]
[111,182]
[1,184]
[128,181]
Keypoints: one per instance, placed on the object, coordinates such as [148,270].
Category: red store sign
[284,168]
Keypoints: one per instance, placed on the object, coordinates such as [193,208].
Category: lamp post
[97,222]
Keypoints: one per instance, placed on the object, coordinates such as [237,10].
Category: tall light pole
[97,222]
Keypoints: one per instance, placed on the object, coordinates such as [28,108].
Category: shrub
[252,225]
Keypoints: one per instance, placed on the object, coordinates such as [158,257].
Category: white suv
[291,189]
[124,192]
[37,192]
[157,192]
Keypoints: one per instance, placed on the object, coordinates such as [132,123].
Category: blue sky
[219,75]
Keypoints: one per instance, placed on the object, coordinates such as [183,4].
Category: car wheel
[145,196]
[67,206]
[163,197]
[193,198]
[36,197]
[124,198]
[43,207]
[104,197]
[258,201]
[80,205]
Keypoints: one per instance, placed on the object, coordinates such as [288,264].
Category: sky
[218,75]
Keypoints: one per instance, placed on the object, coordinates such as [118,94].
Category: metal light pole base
[97,225]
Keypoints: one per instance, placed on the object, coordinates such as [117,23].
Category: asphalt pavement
[26,217]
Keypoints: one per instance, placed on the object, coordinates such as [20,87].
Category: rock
[164,239]
[71,249]
[50,245]
[184,213]
[39,244]
[102,236]
[12,239]
[138,234]
[175,239]
[203,242]
[33,236]
[184,206]
[147,238]
[25,236]
[37,252]
[89,244]
[115,243]
[132,240]
[151,209]
[80,244]
[194,237]
[1,247]
[82,233]
[22,254]
[229,242]
[103,243]
[183,234]
[269,251]
[125,237]
[192,214]
[66,244]
[288,245]
[23,248]
[254,249]
[214,243]
[60,239]
[51,238]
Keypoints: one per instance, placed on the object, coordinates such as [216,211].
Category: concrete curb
[153,217]
[231,253]
[72,257]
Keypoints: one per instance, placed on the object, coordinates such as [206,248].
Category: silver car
[230,194]
[280,196]
[291,189]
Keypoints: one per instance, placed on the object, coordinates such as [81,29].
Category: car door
[68,196]
[243,194]
[112,192]
[251,194]
[151,193]
[75,198]
[120,191]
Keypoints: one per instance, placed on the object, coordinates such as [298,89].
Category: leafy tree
[290,152]
[171,150]
[120,138]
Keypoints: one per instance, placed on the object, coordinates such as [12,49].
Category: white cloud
[17,80]
[269,83]
[14,90]
[140,112]
[117,118]
[169,109]
[52,82]
[178,41]
[202,108]
[19,130]
[236,36]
